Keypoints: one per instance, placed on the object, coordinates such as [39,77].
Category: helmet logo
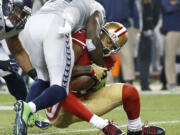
[120,31]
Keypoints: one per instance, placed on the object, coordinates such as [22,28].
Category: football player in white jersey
[50,51]
[13,15]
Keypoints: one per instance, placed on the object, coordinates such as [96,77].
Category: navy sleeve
[134,13]
[168,8]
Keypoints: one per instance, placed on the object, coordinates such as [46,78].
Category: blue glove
[14,65]
[9,65]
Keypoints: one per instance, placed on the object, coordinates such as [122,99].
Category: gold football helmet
[113,37]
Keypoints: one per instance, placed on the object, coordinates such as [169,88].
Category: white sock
[135,125]
[98,122]
[32,106]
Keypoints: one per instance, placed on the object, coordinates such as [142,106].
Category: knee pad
[130,92]
[131,101]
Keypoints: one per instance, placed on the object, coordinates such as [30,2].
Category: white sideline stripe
[93,129]
[6,108]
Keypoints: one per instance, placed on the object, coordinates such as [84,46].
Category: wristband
[33,74]
[90,45]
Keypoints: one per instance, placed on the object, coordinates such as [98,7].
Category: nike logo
[12,63]
[39,124]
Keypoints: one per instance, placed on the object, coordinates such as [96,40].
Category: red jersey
[79,38]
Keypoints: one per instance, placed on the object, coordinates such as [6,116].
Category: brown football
[81,83]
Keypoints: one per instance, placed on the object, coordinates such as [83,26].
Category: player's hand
[9,65]
[99,72]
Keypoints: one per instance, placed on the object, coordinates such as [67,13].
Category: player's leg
[34,48]
[131,105]
[16,86]
[103,101]
[60,117]
[99,102]
[73,105]
[111,96]
[59,61]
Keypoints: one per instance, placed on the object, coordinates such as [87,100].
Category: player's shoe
[23,111]
[39,121]
[149,130]
[111,129]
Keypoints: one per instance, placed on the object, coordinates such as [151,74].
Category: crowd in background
[154,39]
[153,47]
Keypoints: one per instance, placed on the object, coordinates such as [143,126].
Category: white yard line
[64,131]
[6,108]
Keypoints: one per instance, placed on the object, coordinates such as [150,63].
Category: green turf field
[161,110]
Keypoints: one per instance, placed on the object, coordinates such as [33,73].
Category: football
[81,83]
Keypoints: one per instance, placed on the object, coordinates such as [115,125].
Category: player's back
[76,12]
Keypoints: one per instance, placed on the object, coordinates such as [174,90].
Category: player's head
[113,37]
[14,13]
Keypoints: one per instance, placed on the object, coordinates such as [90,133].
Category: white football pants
[51,53]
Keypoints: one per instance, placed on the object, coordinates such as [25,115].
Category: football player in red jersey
[99,97]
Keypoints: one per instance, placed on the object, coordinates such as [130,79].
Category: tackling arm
[92,33]
[19,53]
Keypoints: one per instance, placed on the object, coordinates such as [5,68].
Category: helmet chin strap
[8,23]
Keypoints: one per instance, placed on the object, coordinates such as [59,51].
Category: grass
[164,110]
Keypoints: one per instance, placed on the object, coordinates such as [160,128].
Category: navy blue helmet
[14,13]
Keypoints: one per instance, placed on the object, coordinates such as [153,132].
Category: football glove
[9,65]
[99,72]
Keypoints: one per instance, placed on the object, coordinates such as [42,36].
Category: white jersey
[76,12]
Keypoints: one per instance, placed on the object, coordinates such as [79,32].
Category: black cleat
[134,133]
[149,130]
[152,130]
[111,129]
